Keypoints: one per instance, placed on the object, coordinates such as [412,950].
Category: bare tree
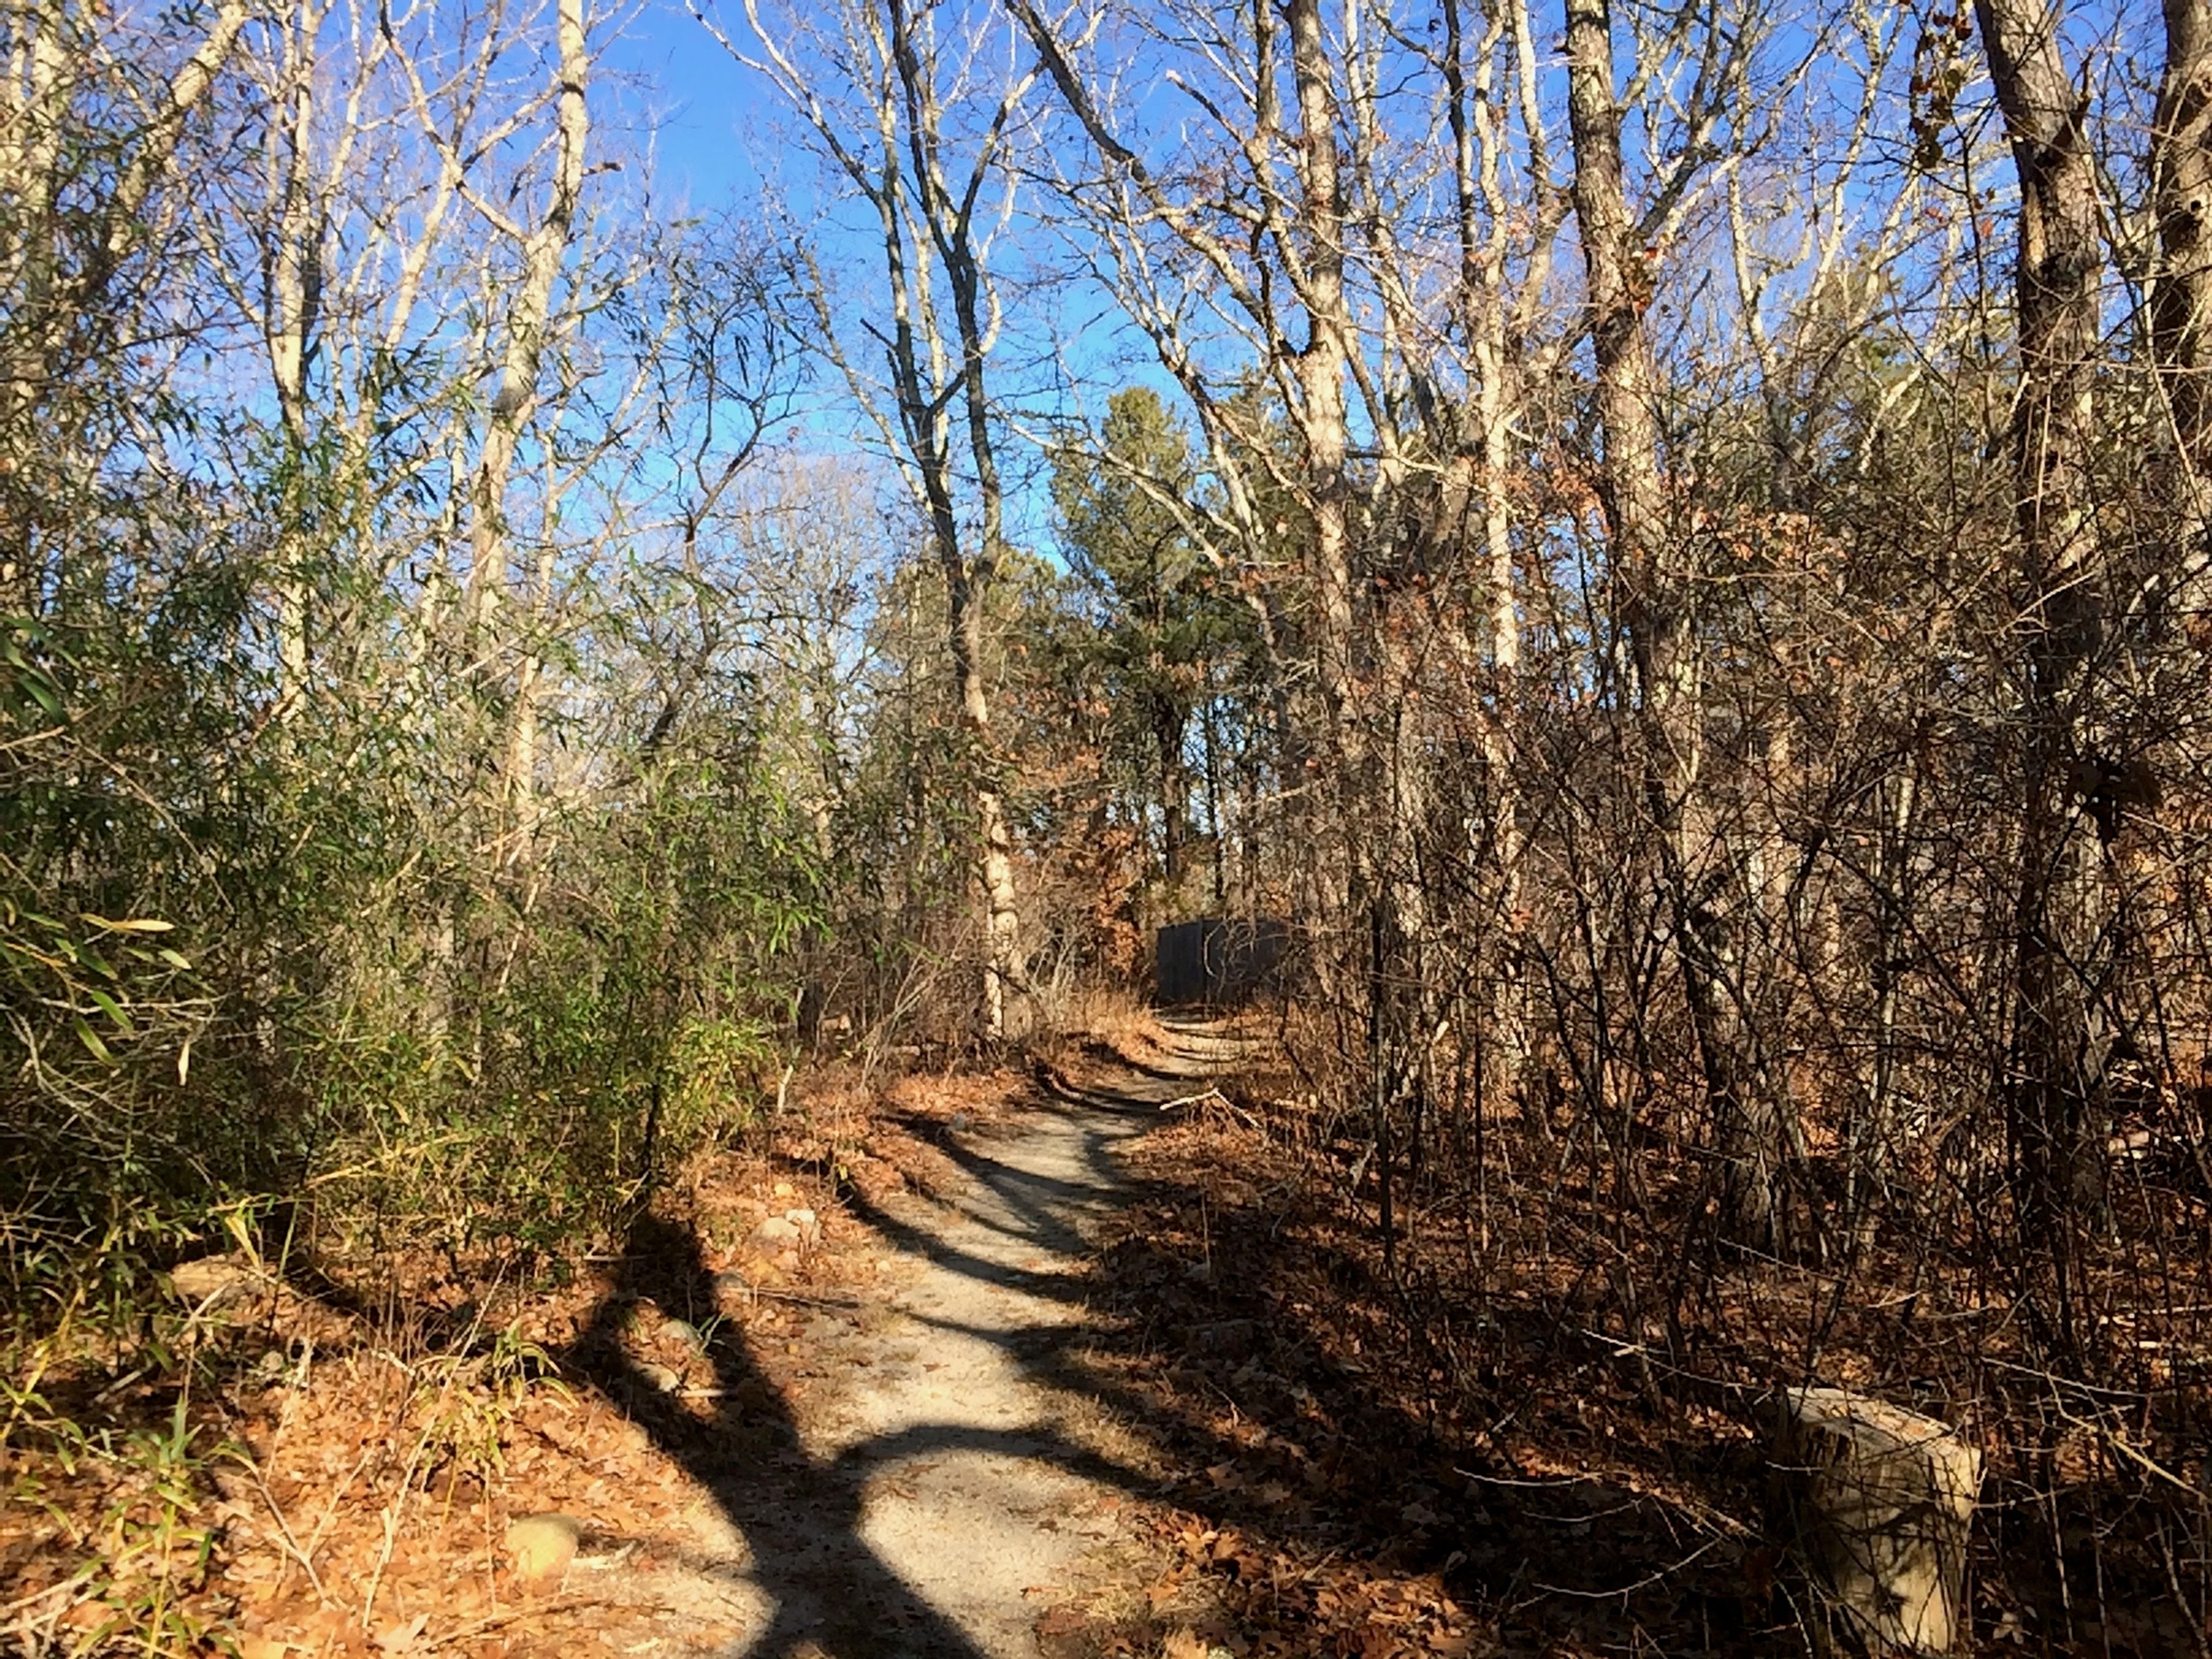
[2181,291]
[2059,1090]
[915,110]
[1651,580]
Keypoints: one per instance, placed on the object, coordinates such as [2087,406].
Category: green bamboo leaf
[113,1009]
[90,1038]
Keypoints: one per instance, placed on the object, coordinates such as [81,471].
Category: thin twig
[1193,1099]
[82,1576]
[307,1561]
[1645,1583]
[492,1621]
[397,1507]
[330,1511]
[845,1302]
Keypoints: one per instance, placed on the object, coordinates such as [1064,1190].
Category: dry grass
[1111,1015]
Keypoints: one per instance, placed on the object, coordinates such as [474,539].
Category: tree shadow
[1210,1359]
[803,1516]
[1219,1326]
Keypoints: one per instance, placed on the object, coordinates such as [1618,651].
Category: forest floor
[951,1482]
[1077,1361]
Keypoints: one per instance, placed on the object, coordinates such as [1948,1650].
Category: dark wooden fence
[1218,960]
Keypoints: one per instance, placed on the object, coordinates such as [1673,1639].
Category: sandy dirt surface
[936,1498]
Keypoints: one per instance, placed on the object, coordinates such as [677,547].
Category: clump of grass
[129,1542]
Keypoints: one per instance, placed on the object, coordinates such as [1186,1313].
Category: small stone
[210,1281]
[730,1284]
[684,1332]
[542,1545]
[774,1234]
[809,1225]
[785,1189]
[271,1366]
[960,1122]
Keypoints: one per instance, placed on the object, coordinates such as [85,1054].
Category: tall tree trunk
[1007,968]
[292,281]
[1478,145]
[42,303]
[947,229]
[1322,366]
[2057,1094]
[2181,295]
[544,251]
[1170,721]
[1218,829]
[1343,871]
[1385,778]
[1004,970]
[506,738]
[1357,779]
[1655,611]
[40,79]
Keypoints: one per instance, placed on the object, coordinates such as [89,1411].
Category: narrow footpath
[948,1485]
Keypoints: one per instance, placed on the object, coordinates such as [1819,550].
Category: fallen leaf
[1063,1621]
[404,1638]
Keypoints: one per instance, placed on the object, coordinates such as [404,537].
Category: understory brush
[322,1452]
[1490,1355]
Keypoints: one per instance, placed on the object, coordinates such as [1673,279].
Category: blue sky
[710,114]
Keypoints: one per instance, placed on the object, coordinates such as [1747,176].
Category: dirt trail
[949,1482]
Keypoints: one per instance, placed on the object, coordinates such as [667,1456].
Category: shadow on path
[917,1524]
[800,1518]
[1001,1294]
